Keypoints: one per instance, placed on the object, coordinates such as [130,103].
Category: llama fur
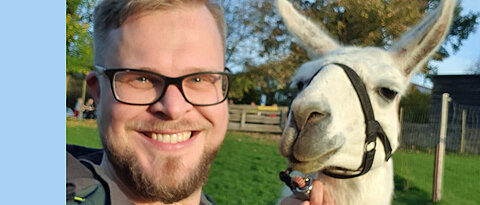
[326,125]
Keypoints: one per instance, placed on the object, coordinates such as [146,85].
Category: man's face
[172,43]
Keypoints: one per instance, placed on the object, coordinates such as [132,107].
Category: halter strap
[373,129]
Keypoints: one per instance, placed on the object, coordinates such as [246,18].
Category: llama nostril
[315,116]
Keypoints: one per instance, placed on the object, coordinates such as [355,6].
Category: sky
[468,53]
[459,62]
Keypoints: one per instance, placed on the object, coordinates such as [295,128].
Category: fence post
[282,118]
[440,151]
[401,125]
[243,118]
[464,126]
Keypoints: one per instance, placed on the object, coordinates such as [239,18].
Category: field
[247,166]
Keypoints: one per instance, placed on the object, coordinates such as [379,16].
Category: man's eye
[197,80]
[142,79]
[205,79]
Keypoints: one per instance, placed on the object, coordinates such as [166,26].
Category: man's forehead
[149,41]
[163,21]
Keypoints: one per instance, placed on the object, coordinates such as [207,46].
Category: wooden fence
[257,118]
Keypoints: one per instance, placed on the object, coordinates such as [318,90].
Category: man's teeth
[172,138]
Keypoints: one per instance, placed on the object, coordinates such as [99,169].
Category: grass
[246,170]
[83,133]
[414,178]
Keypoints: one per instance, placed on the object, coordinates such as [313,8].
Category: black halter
[372,131]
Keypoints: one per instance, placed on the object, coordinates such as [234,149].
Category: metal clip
[302,193]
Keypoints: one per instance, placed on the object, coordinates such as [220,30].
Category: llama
[326,128]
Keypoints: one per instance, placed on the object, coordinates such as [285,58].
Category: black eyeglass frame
[110,73]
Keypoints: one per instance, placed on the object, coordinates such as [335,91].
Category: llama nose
[309,112]
[315,116]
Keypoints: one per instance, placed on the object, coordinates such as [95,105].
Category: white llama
[326,131]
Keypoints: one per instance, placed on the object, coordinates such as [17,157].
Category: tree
[237,18]
[351,22]
[369,23]
[79,43]
[475,67]
[79,38]
[271,79]
[416,106]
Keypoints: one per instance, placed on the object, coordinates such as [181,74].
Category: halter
[373,130]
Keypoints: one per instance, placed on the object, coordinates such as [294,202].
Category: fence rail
[418,130]
[463,130]
[269,119]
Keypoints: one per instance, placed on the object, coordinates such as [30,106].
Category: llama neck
[374,187]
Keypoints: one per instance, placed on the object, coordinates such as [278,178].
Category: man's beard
[147,188]
[167,189]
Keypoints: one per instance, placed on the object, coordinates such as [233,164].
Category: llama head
[326,126]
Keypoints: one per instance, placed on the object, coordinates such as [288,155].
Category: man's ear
[94,86]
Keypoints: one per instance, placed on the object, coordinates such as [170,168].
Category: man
[159,138]
[160,86]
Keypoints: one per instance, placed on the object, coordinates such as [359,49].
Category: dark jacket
[87,184]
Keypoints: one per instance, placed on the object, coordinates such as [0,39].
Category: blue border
[32,148]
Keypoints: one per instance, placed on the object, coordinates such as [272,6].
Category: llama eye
[300,85]
[387,93]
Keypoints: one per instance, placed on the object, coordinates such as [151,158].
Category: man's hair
[111,14]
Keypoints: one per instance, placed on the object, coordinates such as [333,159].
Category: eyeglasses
[141,87]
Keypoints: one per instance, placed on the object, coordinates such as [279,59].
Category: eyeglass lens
[138,87]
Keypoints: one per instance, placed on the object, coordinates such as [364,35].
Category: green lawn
[414,178]
[246,171]
[85,136]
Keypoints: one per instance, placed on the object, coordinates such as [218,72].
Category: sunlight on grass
[414,178]
[246,170]
[83,133]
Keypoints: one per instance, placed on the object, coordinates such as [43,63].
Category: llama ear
[312,38]
[416,46]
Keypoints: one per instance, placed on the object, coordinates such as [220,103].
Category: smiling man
[160,86]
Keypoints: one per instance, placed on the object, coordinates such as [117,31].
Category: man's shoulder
[86,181]
[206,200]
[90,154]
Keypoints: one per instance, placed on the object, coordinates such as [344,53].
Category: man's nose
[172,105]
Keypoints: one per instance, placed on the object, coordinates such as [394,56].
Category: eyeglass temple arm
[100,69]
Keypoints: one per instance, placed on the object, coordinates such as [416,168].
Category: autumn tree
[416,106]
[367,23]
[270,78]
[79,40]
[350,22]
[79,46]
[239,18]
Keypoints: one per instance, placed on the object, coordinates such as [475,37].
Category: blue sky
[463,59]
[468,53]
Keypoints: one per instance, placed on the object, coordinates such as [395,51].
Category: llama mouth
[334,170]
[170,138]
[318,164]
